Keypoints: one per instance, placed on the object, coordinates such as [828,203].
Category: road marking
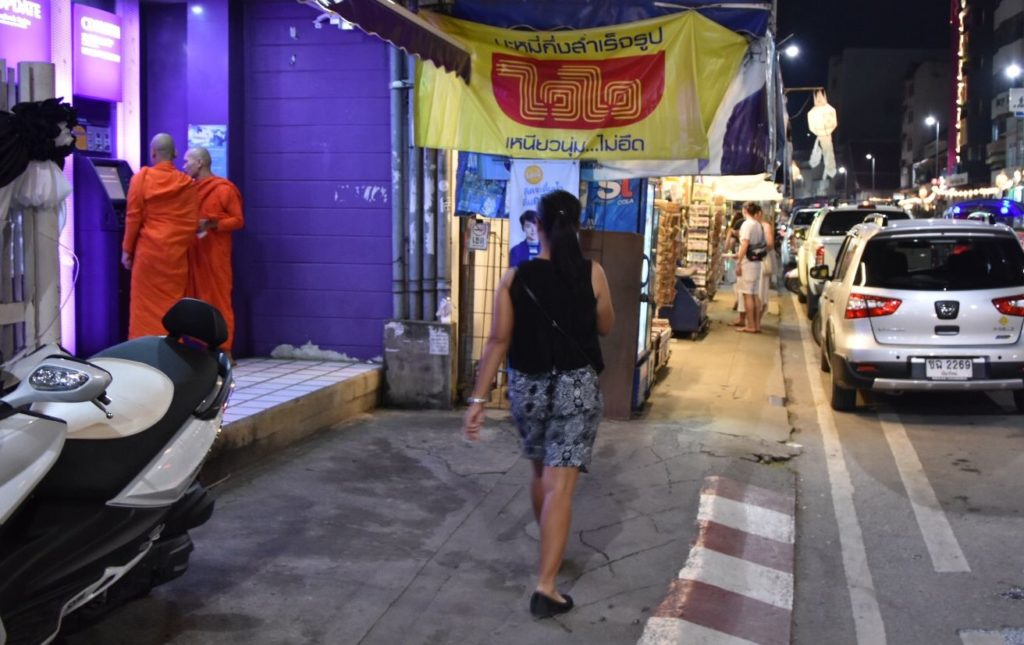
[736,587]
[770,586]
[867,617]
[947,557]
[982,638]
[746,517]
[673,631]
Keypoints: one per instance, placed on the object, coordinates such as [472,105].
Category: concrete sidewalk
[392,529]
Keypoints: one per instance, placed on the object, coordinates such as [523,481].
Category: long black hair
[560,220]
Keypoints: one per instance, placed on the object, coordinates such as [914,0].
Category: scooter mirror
[60,379]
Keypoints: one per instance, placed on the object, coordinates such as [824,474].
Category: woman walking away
[548,313]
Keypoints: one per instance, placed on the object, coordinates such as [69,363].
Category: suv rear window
[840,222]
[943,263]
[803,218]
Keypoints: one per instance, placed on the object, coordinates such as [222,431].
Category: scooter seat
[99,468]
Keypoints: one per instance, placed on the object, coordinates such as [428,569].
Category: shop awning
[750,188]
[405,30]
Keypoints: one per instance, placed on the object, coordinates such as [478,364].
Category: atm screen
[111,181]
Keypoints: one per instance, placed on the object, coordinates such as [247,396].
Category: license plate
[947,369]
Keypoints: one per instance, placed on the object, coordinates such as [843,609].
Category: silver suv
[924,305]
[822,241]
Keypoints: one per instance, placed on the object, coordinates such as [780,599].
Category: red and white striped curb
[737,585]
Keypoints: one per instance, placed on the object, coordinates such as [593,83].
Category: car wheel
[1018,400]
[843,399]
[812,307]
[825,366]
[816,325]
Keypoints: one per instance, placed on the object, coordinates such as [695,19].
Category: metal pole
[399,85]
[414,183]
[872,176]
[442,222]
[937,173]
[430,217]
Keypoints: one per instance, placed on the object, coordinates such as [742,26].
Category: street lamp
[846,181]
[871,158]
[1013,71]
[931,120]
[792,51]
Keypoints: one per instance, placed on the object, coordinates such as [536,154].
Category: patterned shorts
[557,415]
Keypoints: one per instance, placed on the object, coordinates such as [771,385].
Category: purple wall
[314,261]
[164,98]
[207,62]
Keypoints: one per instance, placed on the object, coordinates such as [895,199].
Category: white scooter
[98,467]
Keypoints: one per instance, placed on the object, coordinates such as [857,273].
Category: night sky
[823,28]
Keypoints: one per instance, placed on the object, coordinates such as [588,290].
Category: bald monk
[163,213]
[220,213]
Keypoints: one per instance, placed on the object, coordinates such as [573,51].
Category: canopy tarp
[406,30]
[751,17]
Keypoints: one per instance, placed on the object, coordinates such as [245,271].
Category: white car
[822,241]
[932,305]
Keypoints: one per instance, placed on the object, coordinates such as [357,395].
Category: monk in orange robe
[220,214]
[160,225]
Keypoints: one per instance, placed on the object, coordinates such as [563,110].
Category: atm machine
[103,285]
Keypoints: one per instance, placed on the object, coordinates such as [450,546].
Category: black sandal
[542,606]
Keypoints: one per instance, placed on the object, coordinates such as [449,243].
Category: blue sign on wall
[614,205]
[477,195]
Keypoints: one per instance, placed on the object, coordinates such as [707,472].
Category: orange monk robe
[210,258]
[161,222]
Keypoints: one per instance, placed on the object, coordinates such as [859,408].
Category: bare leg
[556,518]
[537,489]
[755,319]
[753,306]
[741,310]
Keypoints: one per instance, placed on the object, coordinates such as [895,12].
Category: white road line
[746,517]
[739,576]
[947,557]
[867,617]
[982,638]
[675,631]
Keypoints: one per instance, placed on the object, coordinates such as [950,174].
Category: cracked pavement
[393,529]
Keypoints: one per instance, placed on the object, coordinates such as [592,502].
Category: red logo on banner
[578,95]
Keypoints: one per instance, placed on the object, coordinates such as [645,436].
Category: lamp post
[846,181]
[931,120]
[871,158]
[1013,71]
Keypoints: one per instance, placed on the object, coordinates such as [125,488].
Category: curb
[736,587]
[251,439]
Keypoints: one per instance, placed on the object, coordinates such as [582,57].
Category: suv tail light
[1010,306]
[864,306]
[819,255]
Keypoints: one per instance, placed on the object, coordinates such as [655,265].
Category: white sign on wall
[1017,101]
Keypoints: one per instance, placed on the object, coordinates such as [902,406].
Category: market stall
[600,89]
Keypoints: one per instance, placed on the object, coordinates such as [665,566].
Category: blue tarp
[750,17]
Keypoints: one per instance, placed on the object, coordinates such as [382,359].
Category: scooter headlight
[50,378]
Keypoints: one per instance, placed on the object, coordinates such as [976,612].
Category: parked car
[793,235]
[934,305]
[822,241]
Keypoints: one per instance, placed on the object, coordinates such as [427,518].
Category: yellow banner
[643,90]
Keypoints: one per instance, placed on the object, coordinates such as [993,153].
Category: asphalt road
[910,518]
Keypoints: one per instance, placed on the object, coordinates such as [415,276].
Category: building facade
[925,124]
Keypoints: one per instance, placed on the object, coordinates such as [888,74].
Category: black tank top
[538,347]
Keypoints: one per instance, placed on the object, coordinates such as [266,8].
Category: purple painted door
[314,260]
